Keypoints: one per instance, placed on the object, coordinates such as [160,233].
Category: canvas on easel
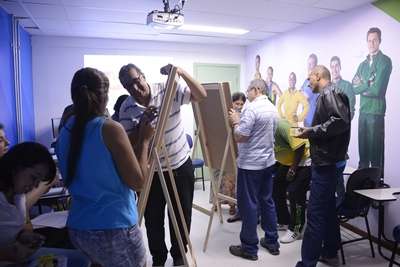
[216,140]
[157,150]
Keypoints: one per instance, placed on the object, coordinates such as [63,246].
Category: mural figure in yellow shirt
[290,102]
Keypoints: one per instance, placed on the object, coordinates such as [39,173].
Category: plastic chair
[396,237]
[197,163]
[355,205]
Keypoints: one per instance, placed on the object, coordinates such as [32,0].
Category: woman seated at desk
[26,172]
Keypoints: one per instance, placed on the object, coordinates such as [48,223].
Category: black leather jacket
[330,137]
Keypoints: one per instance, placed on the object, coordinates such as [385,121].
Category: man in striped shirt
[254,132]
[142,97]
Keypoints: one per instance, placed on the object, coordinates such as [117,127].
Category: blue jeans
[255,191]
[322,234]
[112,247]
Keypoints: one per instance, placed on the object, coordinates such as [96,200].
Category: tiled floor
[222,235]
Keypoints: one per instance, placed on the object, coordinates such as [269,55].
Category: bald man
[329,137]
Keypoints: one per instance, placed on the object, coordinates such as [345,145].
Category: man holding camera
[148,99]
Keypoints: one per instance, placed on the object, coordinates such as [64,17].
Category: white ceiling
[126,19]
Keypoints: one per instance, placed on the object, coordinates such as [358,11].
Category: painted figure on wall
[290,102]
[257,75]
[312,61]
[343,85]
[371,82]
[273,90]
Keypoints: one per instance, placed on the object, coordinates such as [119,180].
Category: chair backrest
[367,178]
[189,140]
[55,123]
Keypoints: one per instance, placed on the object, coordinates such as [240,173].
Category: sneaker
[282,227]
[239,252]
[289,237]
[334,262]
[272,248]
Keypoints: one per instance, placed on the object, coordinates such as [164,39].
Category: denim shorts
[122,247]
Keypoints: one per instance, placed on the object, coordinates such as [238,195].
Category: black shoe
[239,252]
[158,262]
[273,249]
[234,218]
[178,262]
[333,261]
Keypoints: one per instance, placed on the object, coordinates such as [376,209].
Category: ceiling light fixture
[215,29]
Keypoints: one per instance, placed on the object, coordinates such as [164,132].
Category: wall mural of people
[257,75]
[290,102]
[344,86]
[371,82]
[312,61]
[273,90]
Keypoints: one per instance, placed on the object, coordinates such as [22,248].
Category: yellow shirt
[285,145]
[291,100]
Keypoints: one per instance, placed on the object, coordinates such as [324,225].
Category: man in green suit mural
[370,82]
[343,85]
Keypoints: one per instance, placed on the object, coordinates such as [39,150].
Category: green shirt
[285,145]
[373,83]
[346,88]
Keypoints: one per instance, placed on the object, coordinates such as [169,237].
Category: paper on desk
[56,219]
[55,191]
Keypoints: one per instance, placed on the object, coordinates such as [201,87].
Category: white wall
[344,36]
[55,60]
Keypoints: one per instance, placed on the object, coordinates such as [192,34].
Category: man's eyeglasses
[137,79]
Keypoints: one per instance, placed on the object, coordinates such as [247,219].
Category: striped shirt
[258,121]
[175,136]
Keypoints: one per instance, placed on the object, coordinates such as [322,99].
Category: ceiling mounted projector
[168,18]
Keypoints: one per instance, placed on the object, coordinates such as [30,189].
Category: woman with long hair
[102,172]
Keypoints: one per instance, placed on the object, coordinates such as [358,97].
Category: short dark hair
[124,76]
[238,96]
[377,31]
[336,58]
[22,156]
[119,102]
[270,68]
[1,126]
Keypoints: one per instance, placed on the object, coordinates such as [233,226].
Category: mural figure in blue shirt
[311,97]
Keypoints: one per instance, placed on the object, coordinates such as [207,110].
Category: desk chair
[355,205]
[396,237]
[197,163]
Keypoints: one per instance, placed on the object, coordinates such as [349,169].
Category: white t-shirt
[175,136]
[12,218]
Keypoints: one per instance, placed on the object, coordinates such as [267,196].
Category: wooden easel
[157,149]
[215,157]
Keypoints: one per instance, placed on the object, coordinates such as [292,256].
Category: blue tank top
[100,199]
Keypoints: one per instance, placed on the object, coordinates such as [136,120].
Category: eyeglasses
[249,89]
[137,79]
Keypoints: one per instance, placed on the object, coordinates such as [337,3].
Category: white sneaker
[290,237]
[282,227]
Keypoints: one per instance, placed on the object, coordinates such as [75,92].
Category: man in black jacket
[329,138]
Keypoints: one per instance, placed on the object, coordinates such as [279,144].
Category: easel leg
[215,188]
[179,206]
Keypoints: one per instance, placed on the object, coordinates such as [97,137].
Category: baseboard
[362,233]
